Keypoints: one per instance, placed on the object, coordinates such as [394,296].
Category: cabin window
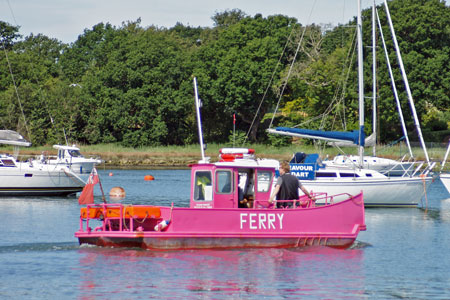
[8,162]
[203,186]
[223,182]
[349,175]
[325,174]
[75,153]
[368,175]
[264,179]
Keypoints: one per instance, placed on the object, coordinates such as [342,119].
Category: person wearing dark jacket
[287,187]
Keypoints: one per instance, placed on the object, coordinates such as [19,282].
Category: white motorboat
[71,157]
[33,178]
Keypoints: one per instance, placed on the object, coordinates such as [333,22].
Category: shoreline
[166,158]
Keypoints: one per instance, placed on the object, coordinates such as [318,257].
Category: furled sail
[354,136]
[9,137]
[368,142]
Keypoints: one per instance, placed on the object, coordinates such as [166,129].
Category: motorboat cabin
[233,182]
[72,157]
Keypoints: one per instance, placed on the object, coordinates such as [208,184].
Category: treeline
[133,85]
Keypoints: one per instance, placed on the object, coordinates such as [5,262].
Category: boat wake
[359,245]
[39,247]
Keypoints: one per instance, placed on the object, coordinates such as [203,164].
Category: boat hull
[217,242]
[383,192]
[445,179]
[336,225]
[35,182]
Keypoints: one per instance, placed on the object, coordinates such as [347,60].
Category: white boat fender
[162,225]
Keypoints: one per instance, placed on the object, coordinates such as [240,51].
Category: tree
[228,17]
[138,97]
[235,69]
[8,34]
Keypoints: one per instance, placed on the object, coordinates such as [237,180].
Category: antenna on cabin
[65,136]
[199,121]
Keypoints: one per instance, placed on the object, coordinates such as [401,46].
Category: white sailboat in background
[378,189]
[385,166]
[32,177]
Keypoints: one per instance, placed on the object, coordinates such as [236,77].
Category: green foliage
[279,140]
[8,34]
[133,86]
[238,138]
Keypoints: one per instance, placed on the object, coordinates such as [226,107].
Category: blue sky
[66,19]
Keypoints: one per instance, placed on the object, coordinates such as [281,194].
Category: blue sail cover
[352,136]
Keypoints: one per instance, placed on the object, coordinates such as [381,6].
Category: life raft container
[231,154]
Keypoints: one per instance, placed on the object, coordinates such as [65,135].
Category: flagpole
[101,187]
[234,129]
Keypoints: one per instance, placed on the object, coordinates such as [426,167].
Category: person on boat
[287,187]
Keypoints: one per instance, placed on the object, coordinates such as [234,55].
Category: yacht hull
[378,192]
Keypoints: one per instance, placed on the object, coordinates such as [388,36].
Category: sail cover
[9,137]
[332,136]
[369,142]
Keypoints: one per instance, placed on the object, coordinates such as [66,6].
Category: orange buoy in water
[117,192]
[110,174]
[149,177]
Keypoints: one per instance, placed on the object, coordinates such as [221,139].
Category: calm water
[405,253]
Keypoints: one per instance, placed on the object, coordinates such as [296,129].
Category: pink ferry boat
[228,209]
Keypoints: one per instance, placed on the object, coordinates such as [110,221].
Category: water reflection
[252,273]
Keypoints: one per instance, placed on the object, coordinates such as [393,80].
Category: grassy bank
[181,156]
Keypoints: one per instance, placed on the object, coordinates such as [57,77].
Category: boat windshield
[75,153]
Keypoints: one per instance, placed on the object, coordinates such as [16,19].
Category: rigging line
[15,88]
[40,88]
[12,13]
[292,65]
[350,54]
[344,84]
[270,82]
[341,87]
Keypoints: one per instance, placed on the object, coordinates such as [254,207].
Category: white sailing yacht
[32,177]
[378,189]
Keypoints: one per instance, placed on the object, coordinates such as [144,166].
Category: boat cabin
[236,181]
[310,167]
[68,152]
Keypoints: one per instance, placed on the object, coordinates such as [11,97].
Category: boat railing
[119,217]
[304,201]
[417,169]
[399,167]
[44,158]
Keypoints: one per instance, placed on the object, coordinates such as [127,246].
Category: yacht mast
[374,82]
[405,79]
[360,85]
[394,89]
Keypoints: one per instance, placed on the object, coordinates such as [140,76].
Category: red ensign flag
[87,195]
